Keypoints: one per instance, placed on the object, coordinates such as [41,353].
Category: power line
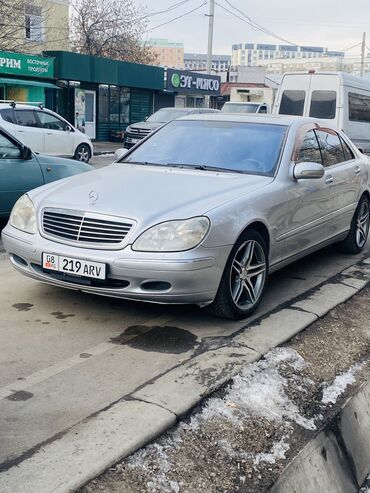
[351,47]
[178,17]
[165,11]
[252,23]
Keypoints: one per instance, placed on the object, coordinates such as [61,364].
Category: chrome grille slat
[84,229]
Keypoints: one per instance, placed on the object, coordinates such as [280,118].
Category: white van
[337,97]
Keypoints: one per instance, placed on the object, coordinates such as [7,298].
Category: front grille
[138,133]
[84,228]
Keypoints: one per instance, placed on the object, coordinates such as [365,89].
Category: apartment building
[35,26]
[252,54]
[169,53]
[198,62]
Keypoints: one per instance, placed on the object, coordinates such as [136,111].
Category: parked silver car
[200,212]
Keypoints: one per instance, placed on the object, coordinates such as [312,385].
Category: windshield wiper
[204,167]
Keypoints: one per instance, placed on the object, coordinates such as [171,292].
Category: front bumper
[181,277]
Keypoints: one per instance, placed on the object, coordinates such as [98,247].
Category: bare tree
[110,28]
[22,25]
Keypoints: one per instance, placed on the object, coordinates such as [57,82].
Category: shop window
[124,105]
[103,104]
[34,23]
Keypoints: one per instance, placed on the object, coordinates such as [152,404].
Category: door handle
[357,170]
[48,169]
[329,179]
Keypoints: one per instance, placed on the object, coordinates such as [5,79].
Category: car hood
[147,194]
[146,125]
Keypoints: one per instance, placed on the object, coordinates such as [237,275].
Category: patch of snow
[278,451]
[340,383]
[259,390]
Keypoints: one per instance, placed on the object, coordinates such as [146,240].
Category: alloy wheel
[247,275]
[83,154]
[362,224]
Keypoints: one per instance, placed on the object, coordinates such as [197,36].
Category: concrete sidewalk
[105,147]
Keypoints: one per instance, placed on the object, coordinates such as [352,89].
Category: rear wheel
[244,279]
[357,236]
[83,153]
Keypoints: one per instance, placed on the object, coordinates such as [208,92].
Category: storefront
[26,78]
[102,96]
[192,88]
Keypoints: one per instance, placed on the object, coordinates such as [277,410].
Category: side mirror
[120,153]
[308,171]
[26,153]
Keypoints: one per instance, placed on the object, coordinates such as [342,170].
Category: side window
[347,150]
[292,103]
[359,107]
[310,150]
[323,104]
[331,148]
[8,150]
[7,115]
[26,118]
[50,122]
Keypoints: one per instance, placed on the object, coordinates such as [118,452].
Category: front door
[17,175]
[90,114]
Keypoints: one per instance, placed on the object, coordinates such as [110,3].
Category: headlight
[173,236]
[23,215]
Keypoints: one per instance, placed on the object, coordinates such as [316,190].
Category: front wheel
[357,236]
[83,153]
[244,279]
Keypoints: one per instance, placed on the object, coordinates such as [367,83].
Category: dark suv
[137,131]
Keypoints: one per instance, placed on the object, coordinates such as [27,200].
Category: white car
[44,131]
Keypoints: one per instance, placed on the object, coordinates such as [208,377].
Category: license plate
[74,266]
[134,141]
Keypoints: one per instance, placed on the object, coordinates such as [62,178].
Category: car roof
[244,103]
[286,120]
[22,106]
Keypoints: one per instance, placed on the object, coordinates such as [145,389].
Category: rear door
[324,100]
[342,176]
[59,141]
[17,175]
[292,96]
[27,129]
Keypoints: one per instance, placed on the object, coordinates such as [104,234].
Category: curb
[74,457]
[102,153]
[338,459]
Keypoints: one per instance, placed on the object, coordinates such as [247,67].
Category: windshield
[240,108]
[164,116]
[232,146]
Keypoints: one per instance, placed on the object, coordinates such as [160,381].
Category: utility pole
[210,42]
[363,47]
[210,35]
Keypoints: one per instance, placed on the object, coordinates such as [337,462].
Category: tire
[83,153]
[357,236]
[246,272]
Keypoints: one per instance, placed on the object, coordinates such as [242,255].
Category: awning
[22,82]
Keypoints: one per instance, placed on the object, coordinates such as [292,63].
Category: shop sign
[29,65]
[186,82]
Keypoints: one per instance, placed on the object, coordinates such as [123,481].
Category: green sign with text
[29,65]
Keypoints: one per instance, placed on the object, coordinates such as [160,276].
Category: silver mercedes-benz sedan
[199,212]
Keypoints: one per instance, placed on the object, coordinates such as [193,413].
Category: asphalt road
[67,355]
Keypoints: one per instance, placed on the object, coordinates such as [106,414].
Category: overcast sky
[330,23]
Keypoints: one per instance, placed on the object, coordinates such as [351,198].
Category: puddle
[61,315]
[22,307]
[157,339]
[21,395]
